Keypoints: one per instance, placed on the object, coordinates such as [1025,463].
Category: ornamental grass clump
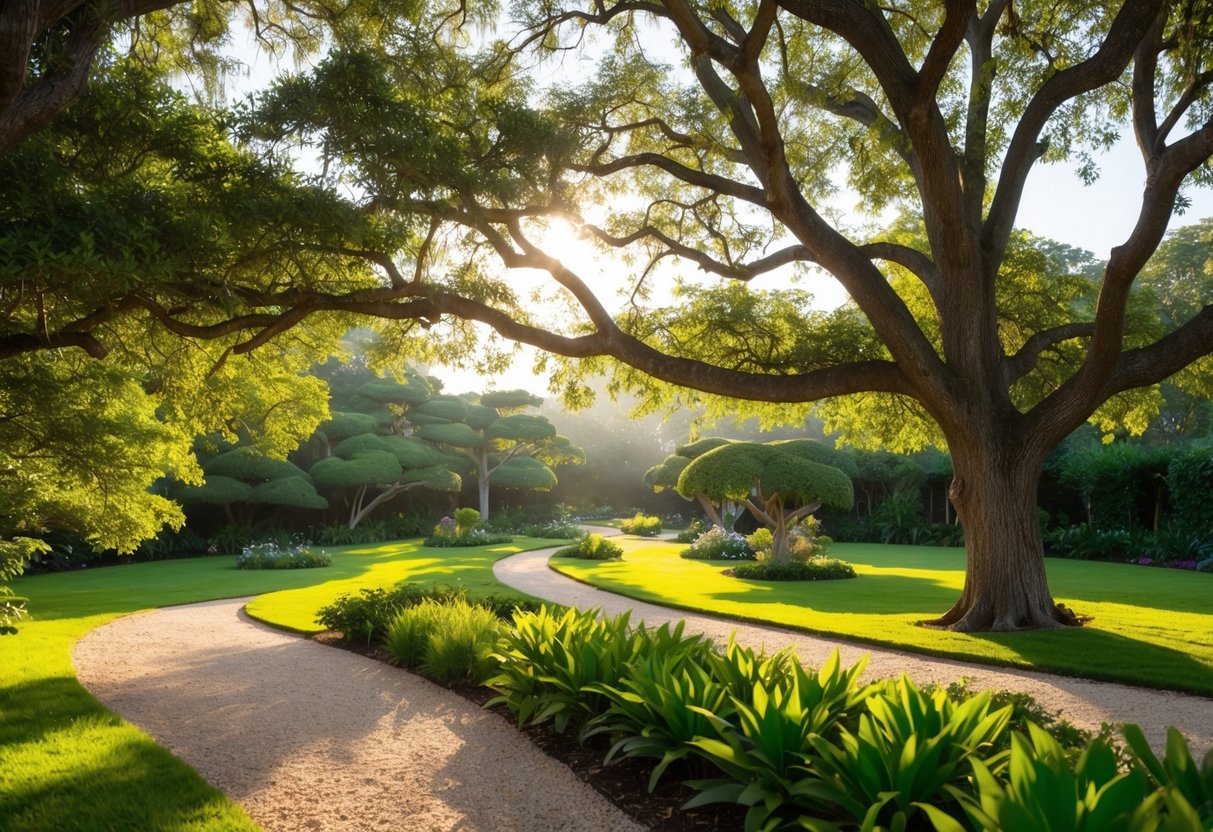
[450,641]
[270,556]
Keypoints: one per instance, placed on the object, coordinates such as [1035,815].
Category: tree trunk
[994,493]
[482,483]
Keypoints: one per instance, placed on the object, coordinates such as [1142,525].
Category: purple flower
[1143,561]
[1184,564]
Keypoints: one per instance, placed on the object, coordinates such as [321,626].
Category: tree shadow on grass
[108,781]
[869,594]
[1093,653]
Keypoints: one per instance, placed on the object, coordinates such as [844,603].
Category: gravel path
[307,737]
[1082,702]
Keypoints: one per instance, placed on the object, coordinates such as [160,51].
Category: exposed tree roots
[985,618]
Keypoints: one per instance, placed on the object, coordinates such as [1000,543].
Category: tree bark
[482,483]
[994,493]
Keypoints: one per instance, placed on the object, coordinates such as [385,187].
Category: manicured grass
[69,765]
[1151,627]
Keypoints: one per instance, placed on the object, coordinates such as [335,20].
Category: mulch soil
[623,782]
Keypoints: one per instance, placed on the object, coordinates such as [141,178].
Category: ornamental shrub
[271,556]
[592,547]
[760,541]
[476,537]
[466,520]
[366,616]
[554,531]
[718,544]
[812,569]
[643,525]
[691,533]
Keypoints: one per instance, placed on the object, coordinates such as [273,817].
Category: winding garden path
[306,737]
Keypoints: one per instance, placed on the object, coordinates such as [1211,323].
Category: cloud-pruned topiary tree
[507,447]
[371,459]
[665,474]
[768,477]
[242,476]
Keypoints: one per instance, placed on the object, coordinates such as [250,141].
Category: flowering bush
[445,527]
[592,547]
[270,555]
[718,544]
[1184,564]
[467,520]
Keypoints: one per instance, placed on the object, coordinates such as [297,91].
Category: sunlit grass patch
[1151,627]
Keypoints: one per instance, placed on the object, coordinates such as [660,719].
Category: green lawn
[1151,627]
[66,763]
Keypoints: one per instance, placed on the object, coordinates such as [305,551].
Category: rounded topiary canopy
[294,492]
[390,391]
[246,465]
[366,468]
[510,399]
[732,471]
[665,474]
[218,490]
[419,419]
[449,408]
[815,451]
[457,435]
[701,446]
[480,417]
[344,425]
[523,472]
[522,427]
[435,477]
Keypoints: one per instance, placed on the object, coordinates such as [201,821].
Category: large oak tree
[723,159]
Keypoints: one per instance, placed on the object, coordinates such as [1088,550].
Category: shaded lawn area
[69,765]
[1151,627]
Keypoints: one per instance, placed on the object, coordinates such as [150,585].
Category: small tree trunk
[994,492]
[709,509]
[482,483]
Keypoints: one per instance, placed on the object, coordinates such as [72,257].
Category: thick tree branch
[1021,363]
[1131,24]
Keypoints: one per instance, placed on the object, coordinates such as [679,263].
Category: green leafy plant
[548,660]
[908,746]
[761,749]
[1043,792]
[643,525]
[658,707]
[592,547]
[1185,780]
